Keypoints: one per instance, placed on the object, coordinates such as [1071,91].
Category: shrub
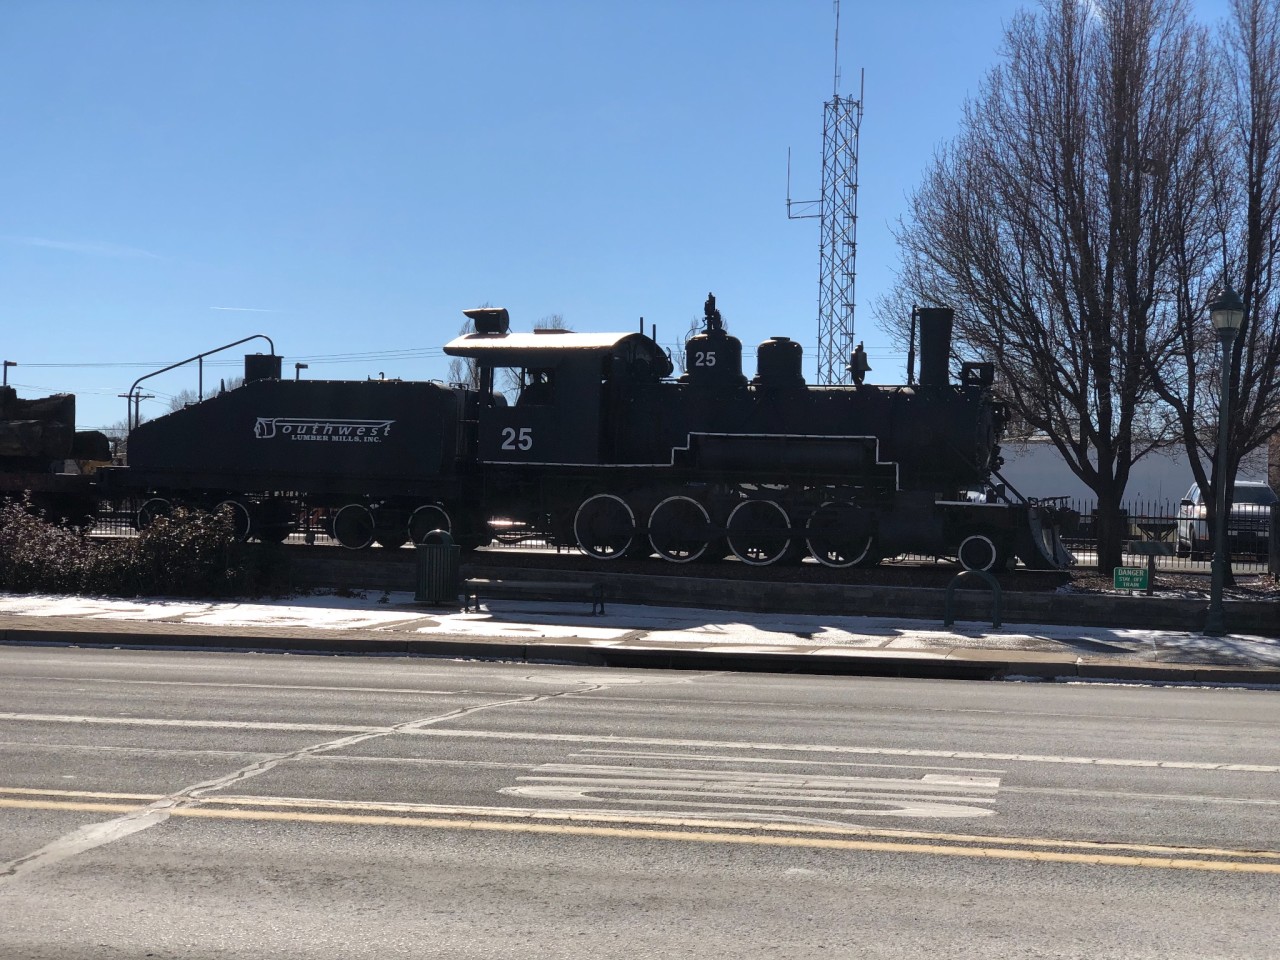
[190,553]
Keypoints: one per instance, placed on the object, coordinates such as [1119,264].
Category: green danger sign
[1130,578]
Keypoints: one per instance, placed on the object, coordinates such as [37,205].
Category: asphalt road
[182,805]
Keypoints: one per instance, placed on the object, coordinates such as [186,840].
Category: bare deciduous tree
[1055,221]
[1244,249]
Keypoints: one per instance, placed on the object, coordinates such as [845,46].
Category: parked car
[1248,528]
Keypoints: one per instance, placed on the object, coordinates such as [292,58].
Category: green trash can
[439,570]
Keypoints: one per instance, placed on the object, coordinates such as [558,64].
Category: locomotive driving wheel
[679,529]
[604,526]
[759,532]
[841,534]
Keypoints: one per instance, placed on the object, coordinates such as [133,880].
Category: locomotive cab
[567,385]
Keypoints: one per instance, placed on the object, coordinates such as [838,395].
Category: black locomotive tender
[603,450]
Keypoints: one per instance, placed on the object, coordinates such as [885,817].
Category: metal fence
[1146,522]
[1149,522]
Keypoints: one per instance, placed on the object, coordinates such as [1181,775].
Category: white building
[1034,468]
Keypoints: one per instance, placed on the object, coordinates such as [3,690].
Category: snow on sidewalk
[634,624]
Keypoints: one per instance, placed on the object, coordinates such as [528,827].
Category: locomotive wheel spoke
[759,532]
[604,526]
[678,529]
[839,535]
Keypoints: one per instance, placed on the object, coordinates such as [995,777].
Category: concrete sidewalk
[392,624]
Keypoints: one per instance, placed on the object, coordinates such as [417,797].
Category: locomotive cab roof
[552,348]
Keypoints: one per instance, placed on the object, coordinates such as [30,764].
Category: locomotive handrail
[131,402]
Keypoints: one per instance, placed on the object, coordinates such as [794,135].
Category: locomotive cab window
[537,387]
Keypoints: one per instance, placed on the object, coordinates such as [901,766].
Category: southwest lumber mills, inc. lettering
[336,431]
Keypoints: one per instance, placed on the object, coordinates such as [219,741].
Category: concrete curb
[956,663]
[1257,617]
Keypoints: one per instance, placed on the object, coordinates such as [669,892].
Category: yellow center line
[208,811]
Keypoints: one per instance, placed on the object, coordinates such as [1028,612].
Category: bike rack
[992,582]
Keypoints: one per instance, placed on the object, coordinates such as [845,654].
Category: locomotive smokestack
[935,345]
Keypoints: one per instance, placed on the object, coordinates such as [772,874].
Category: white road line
[779,761]
[774,812]
[745,745]
[95,835]
[325,688]
[758,778]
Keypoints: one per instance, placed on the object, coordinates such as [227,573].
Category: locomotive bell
[778,363]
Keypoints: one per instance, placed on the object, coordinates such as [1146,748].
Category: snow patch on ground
[396,612]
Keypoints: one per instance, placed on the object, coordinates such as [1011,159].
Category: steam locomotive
[602,449]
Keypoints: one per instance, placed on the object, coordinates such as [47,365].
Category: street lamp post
[7,365]
[1227,313]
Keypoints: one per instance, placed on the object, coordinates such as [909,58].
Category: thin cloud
[246,309]
[88,248]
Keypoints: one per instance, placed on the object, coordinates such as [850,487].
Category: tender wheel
[241,523]
[151,511]
[759,532]
[426,518]
[979,551]
[678,529]
[604,527]
[353,526]
[840,534]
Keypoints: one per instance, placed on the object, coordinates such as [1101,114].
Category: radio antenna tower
[837,213]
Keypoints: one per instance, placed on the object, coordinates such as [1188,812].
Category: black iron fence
[1160,522]
[1144,522]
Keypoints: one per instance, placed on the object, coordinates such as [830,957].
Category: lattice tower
[837,213]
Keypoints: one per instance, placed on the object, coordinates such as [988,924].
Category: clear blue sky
[347,177]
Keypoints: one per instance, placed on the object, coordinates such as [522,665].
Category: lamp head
[1227,312]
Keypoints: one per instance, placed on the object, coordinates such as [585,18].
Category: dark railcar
[44,457]
[378,457]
